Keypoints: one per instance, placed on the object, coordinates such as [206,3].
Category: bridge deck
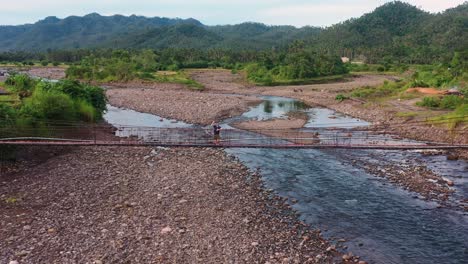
[231,138]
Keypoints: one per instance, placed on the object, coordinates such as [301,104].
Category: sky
[210,12]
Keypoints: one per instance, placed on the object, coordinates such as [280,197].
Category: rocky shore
[170,101]
[222,81]
[143,205]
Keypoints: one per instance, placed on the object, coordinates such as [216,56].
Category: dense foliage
[399,32]
[395,33]
[43,102]
[295,64]
[95,31]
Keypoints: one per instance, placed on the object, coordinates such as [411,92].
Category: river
[380,222]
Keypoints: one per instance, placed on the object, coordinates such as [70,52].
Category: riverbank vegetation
[123,65]
[43,103]
[295,65]
[443,86]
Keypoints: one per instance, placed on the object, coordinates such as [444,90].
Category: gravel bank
[139,205]
[55,73]
[182,104]
[324,95]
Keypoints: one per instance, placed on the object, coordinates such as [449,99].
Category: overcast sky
[210,12]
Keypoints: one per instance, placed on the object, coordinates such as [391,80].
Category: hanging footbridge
[318,138]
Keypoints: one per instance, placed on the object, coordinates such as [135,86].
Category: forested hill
[96,31]
[395,30]
[399,30]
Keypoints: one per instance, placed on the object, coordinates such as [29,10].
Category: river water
[380,222]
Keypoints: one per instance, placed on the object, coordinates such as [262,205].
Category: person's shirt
[216,129]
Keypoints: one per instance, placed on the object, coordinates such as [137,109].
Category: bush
[451,102]
[7,114]
[49,105]
[21,84]
[44,63]
[452,120]
[385,90]
[86,112]
[432,102]
[341,97]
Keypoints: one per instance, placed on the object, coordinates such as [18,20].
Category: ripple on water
[381,223]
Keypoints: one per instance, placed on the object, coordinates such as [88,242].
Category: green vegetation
[453,119]
[406,114]
[388,39]
[398,33]
[297,64]
[44,102]
[450,102]
[11,200]
[121,65]
[441,76]
[177,77]
[341,97]
[382,91]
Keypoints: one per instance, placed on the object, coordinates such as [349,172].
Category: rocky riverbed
[171,101]
[222,81]
[144,205]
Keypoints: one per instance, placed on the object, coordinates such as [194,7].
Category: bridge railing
[203,136]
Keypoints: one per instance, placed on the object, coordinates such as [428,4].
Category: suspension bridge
[306,138]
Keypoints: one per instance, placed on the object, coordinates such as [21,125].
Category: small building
[345,59]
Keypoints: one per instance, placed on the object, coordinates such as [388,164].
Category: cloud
[293,12]
[435,5]
[325,13]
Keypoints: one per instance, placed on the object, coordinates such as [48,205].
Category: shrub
[432,102]
[7,115]
[451,102]
[86,112]
[452,120]
[49,105]
[341,97]
[21,84]
[44,63]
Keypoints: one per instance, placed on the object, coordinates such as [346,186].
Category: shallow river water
[380,222]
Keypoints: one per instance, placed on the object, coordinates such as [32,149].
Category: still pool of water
[274,107]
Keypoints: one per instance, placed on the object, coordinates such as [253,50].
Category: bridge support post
[94,133]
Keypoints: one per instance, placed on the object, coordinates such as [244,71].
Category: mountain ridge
[394,29]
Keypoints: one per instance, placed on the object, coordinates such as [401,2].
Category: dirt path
[139,205]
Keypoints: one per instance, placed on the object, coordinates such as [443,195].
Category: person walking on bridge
[216,132]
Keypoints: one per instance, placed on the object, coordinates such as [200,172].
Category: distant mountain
[399,29]
[95,31]
[78,32]
[395,29]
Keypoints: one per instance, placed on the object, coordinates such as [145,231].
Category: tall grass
[453,119]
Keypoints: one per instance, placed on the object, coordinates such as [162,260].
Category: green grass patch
[315,80]
[450,102]
[341,97]
[406,114]
[180,77]
[386,90]
[454,119]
